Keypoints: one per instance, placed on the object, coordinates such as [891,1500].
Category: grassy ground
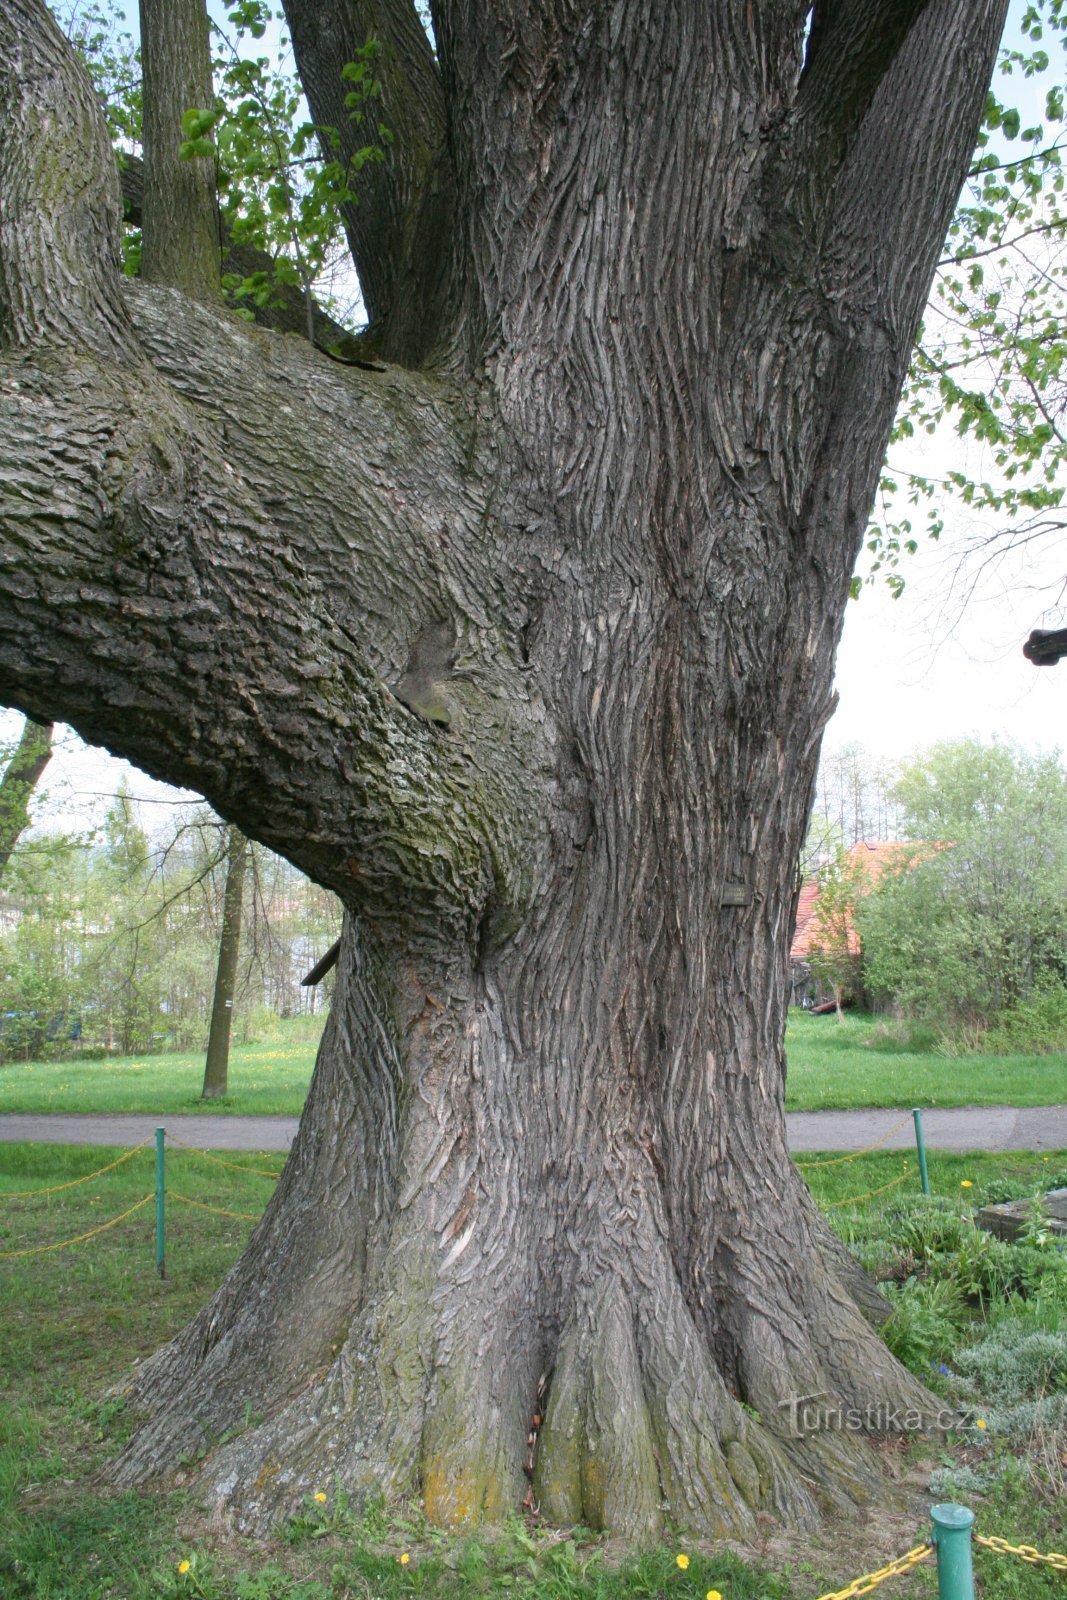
[72,1322]
[860,1062]
[855,1063]
[264,1080]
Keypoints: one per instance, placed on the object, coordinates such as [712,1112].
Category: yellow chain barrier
[43,1249]
[854,1155]
[205,1155]
[241,1216]
[854,1199]
[1025,1552]
[892,1569]
[24,1194]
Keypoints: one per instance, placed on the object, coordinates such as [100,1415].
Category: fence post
[921,1148]
[952,1541]
[161,1190]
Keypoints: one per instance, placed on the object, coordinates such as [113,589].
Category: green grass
[264,1080]
[831,1065]
[73,1321]
[858,1062]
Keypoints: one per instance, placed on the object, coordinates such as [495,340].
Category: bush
[1015,1363]
[1036,1026]
[923,1325]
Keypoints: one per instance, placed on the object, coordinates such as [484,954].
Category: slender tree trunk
[526,655]
[21,777]
[218,1043]
[179,213]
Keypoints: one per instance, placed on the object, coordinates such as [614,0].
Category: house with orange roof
[865,862]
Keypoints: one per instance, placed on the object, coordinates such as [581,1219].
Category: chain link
[24,1194]
[1025,1552]
[241,1216]
[854,1199]
[835,1161]
[43,1249]
[892,1569]
[205,1155]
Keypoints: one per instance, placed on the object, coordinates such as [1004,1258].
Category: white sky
[910,671]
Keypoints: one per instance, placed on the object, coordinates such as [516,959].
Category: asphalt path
[965,1128]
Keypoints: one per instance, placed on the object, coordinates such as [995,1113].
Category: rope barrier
[854,1199]
[43,1249]
[205,1155]
[1025,1552]
[241,1216]
[892,1569]
[854,1155]
[24,1194]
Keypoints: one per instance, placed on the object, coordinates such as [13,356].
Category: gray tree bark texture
[180,245]
[524,646]
[217,1061]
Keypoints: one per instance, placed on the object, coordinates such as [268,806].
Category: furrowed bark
[399,227]
[180,226]
[533,670]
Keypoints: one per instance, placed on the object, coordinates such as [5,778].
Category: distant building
[868,859]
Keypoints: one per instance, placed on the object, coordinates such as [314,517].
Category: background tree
[969,930]
[216,1065]
[523,646]
[834,950]
[22,774]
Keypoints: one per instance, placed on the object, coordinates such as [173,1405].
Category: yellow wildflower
[183,1567]
[683,1561]
[965,1183]
[713,1594]
[321,1498]
[980,1423]
[404,1559]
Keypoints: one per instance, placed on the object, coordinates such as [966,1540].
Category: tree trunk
[528,658]
[21,777]
[218,1041]
[180,222]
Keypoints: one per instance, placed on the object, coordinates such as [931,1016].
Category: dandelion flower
[980,1423]
[965,1183]
[404,1559]
[682,1560]
[321,1498]
[713,1594]
[183,1567]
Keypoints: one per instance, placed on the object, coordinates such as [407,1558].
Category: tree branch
[59,217]
[852,45]
[399,228]
[21,777]
[180,245]
[286,310]
[214,583]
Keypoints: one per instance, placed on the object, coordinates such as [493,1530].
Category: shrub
[923,1325]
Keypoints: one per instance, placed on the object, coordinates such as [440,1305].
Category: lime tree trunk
[520,638]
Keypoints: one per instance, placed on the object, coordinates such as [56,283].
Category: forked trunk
[527,656]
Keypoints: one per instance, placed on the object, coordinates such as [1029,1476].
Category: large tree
[521,640]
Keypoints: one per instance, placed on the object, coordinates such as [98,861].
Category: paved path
[965,1128]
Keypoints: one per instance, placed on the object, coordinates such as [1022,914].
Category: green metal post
[161,1190]
[952,1541]
[923,1175]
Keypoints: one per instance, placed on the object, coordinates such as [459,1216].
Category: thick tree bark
[216,1064]
[180,220]
[531,665]
[21,777]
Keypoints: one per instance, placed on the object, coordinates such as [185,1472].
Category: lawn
[831,1064]
[860,1062]
[264,1080]
[72,1321]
